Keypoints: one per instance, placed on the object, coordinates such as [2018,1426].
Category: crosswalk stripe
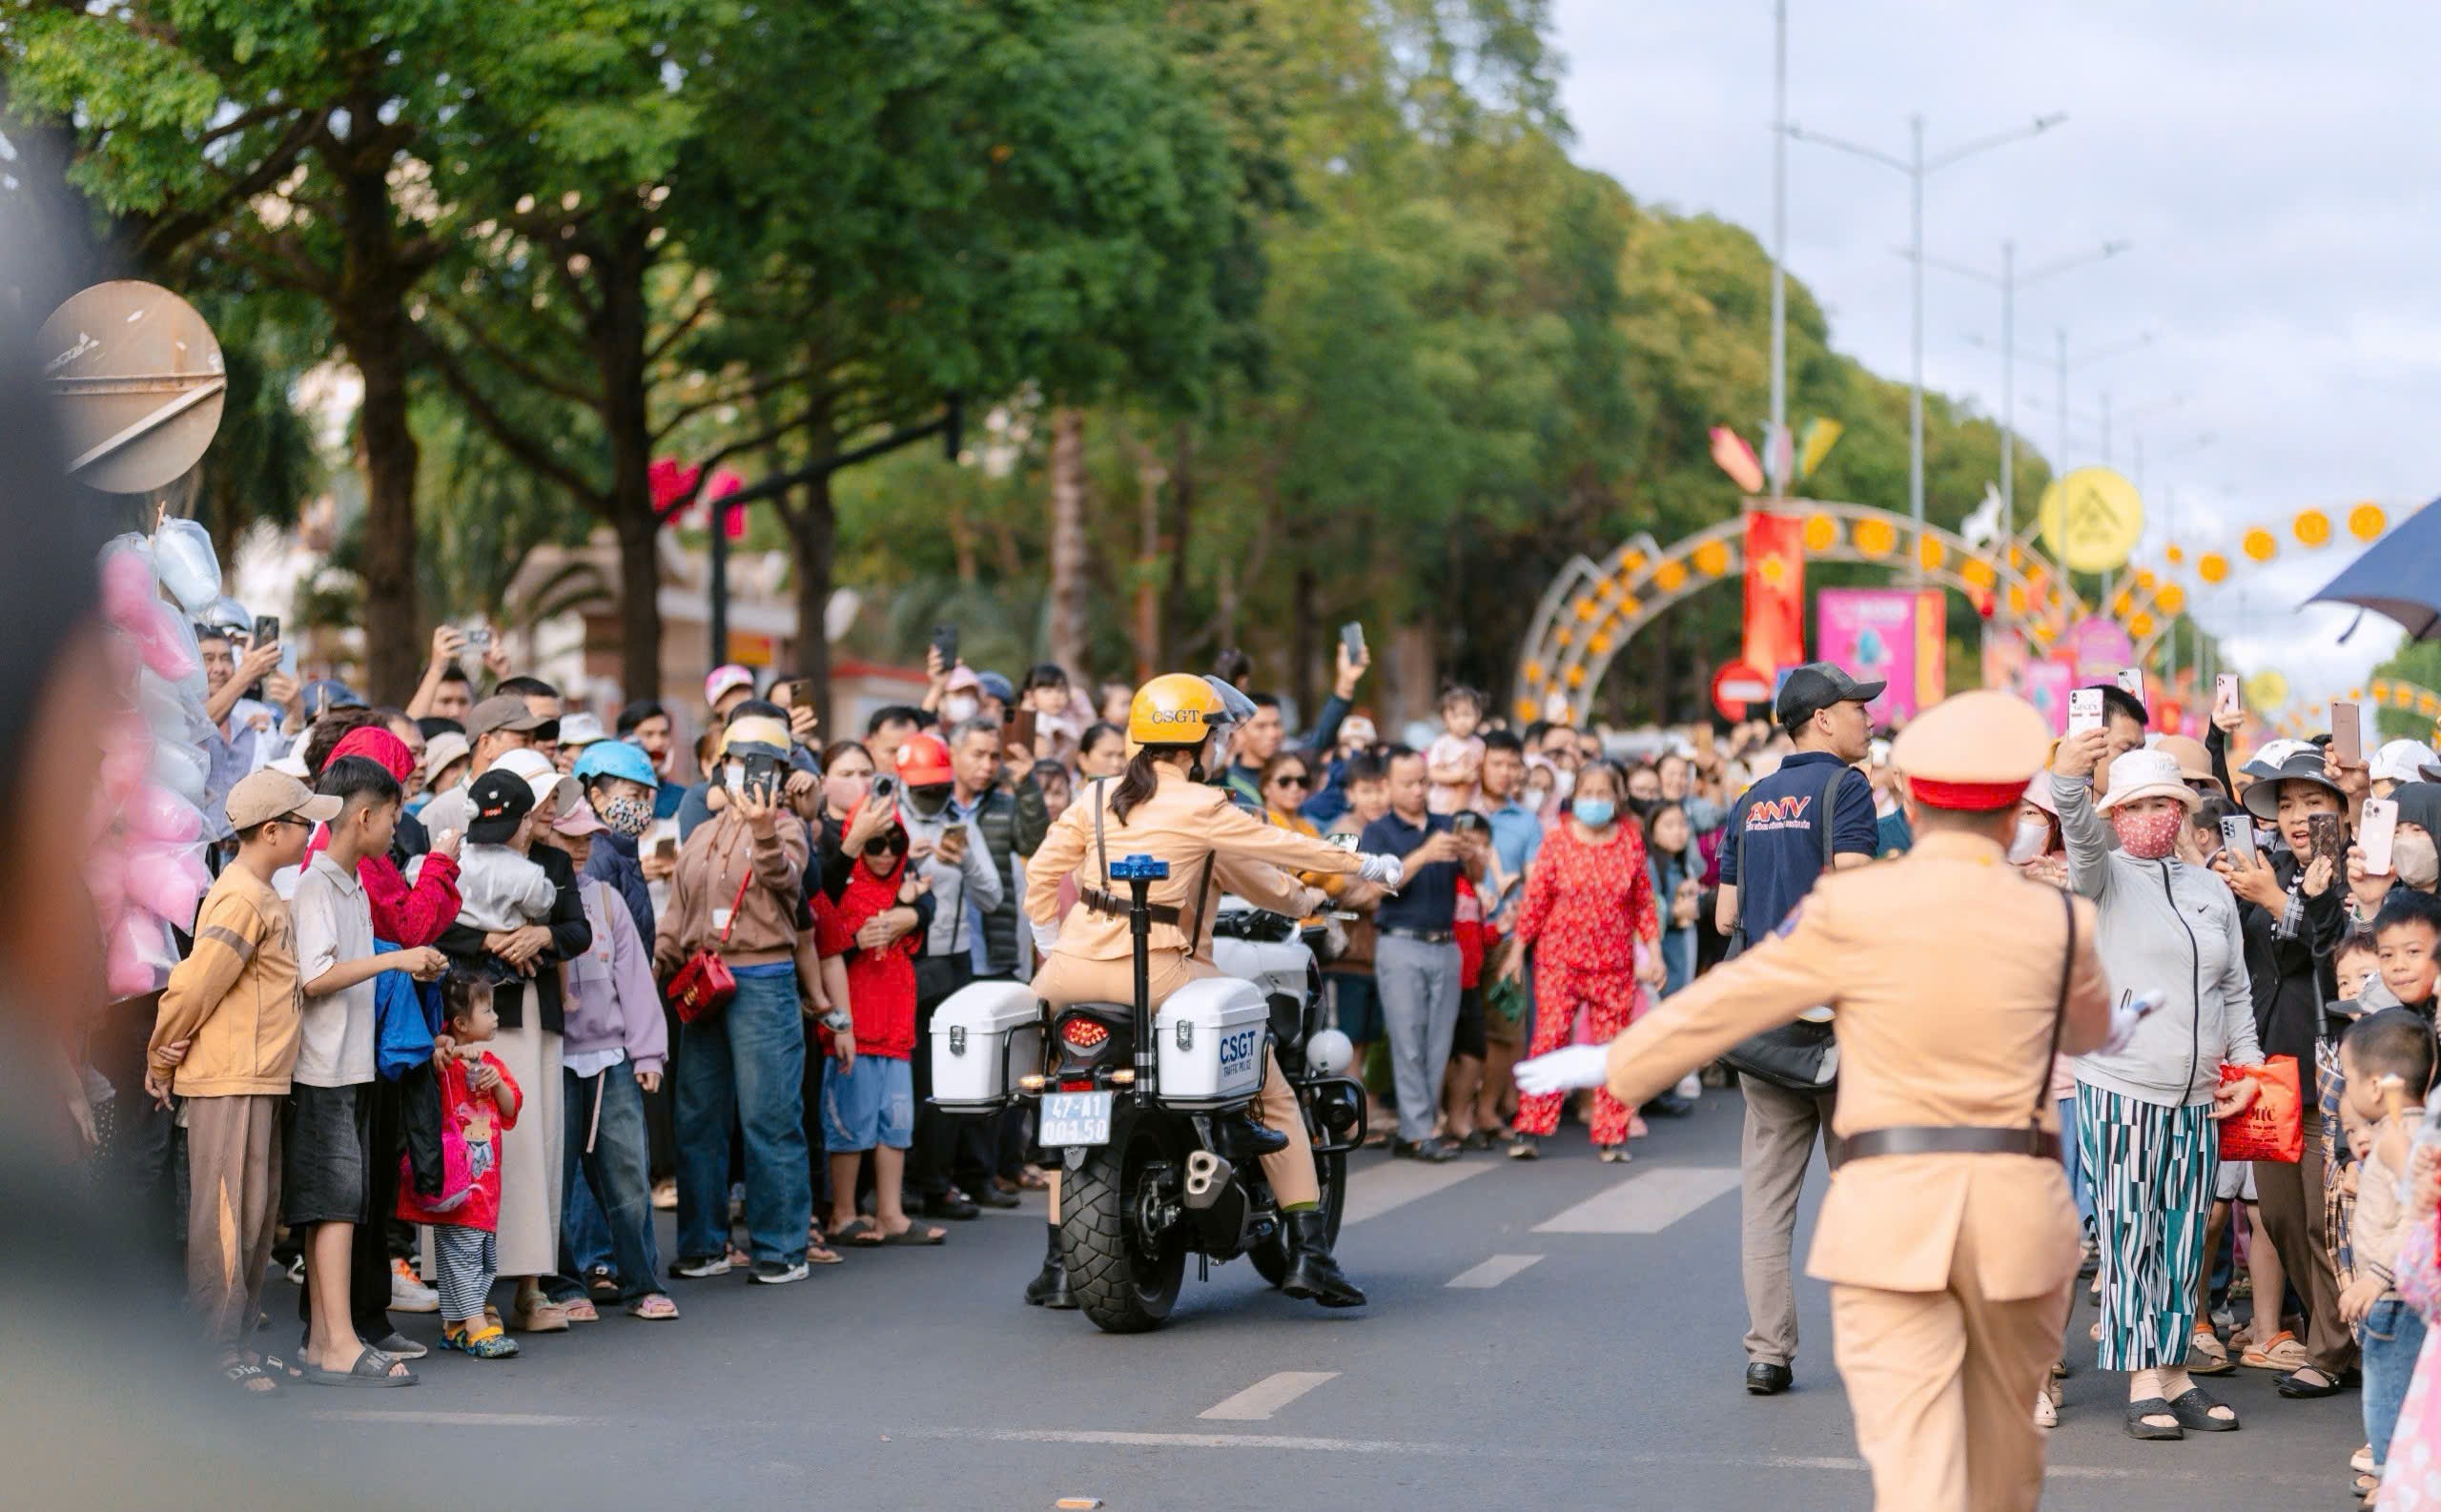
[1492,1271]
[1647,1202]
[1378,1189]
[1267,1396]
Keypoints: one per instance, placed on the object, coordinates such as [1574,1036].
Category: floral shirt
[1587,902]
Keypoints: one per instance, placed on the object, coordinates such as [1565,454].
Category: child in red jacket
[869,1096]
[479,1103]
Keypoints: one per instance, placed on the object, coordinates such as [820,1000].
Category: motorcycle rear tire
[1271,1255]
[1116,1283]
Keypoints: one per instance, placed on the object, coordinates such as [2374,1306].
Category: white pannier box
[1212,1035]
[984,1038]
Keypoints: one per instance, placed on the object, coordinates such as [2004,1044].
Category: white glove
[1565,1069]
[2124,1018]
[1387,871]
[1045,936]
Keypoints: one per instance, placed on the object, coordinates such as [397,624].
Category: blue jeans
[605,1213]
[2394,1338]
[2073,1157]
[745,1065]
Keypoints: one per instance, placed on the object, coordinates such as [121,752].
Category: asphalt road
[1550,1333]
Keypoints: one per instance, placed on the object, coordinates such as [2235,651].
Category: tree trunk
[1300,657]
[1149,478]
[621,331]
[1068,538]
[812,540]
[369,318]
[1174,606]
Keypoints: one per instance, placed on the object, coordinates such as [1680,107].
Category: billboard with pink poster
[2046,686]
[1874,633]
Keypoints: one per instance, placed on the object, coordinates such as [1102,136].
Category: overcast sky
[2271,164]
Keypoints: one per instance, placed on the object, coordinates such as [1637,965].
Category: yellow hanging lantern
[1876,538]
[1930,552]
[1822,532]
[2174,554]
[2312,528]
[2259,545]
[1534,672]
[2171,599]
[1979,573]
[2367,521]
[1711,557]
[1670,576]
[2212,566]
[1526,712]
[2017,601]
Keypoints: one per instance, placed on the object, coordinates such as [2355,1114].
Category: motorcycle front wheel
[1271,1255]
[1125,1278]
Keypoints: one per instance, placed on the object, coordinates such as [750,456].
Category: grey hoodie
[2169,925]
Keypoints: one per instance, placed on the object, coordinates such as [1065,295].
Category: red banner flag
[1775,592]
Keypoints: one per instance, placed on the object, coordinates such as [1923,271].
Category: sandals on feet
[860,1233]
[372,1368]
[2207,1355]
[2194,1409]
[917,1235]
[1614,1155]
[655,1308]
[2046,1415]
[2307,1381]
[249,1379]
[2153,1407]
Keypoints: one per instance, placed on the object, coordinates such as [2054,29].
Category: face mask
[2412,857]
[1538,797]
[2148,837]
[1564,782]
[959,707]
[2031,835]
[625,816]
[1596,813]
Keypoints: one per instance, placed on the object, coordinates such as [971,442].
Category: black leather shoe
[1430,1150]
[1250,1141]
[1670,1105]
[1766,1379]
[992,1197]
[951,1204]
[1049,1287]
[1312,1272]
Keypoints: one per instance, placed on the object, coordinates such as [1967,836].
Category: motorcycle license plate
[1075,1118]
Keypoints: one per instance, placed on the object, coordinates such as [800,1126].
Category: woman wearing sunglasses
[1288,781]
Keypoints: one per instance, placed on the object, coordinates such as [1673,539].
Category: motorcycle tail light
[1083,1033]
[1078,1084]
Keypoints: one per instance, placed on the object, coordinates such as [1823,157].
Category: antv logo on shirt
[1779,813]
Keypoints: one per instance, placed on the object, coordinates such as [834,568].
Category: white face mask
[2031,835]
[959,707]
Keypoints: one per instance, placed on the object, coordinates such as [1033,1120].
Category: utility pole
[1773,449]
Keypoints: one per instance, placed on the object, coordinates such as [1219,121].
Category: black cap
[501,801]
[1815,686]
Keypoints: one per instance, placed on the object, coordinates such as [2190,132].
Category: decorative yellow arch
[2145,599]
[1593,609]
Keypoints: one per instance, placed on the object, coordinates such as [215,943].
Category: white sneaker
[2045,1415]
[778,1273]
[407,1292]
[1690,1087]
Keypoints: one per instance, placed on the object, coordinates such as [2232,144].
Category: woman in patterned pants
[1589,904]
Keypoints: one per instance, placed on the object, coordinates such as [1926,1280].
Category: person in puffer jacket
[2145,1114]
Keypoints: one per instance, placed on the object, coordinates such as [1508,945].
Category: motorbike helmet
[924,761]
[756,730]
[1181,709]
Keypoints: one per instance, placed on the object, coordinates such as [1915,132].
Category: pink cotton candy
[157,815]
[106,879]
[163,639]
[138,956]
[167,880]
[128,585]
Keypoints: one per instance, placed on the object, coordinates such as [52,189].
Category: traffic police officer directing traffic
[1947,1234]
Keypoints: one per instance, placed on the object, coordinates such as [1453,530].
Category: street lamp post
[1917,167]
[2008,280]
[1773,447]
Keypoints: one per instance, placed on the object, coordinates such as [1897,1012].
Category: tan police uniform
[1947,1236]
[1212,846]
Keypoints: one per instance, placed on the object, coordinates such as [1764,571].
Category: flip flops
[655,1308]
[372,1368]
[919,1236]
[859,1233]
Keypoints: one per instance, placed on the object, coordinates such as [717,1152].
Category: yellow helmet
[1178,708]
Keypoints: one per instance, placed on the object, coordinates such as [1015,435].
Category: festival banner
[2045,684]
[1875,634]
[1775,592]
[2099,649]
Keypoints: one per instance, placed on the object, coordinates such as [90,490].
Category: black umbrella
[2398,576]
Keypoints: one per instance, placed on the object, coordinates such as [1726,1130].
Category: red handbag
[704,986]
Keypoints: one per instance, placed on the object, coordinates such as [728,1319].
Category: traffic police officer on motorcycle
[1160,808]
[1947,1234]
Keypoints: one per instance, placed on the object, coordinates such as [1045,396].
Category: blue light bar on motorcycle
[1129,869]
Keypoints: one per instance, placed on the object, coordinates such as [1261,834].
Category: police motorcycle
[1149,1112]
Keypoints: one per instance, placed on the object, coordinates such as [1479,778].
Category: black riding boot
[1250,1141]
[1049,1287]
[1311,1270]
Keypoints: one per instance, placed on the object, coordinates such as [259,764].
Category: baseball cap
[269,794]
[2402,761]
[324,694]
[1815,686]
[502,800]
[963,678]
[578,819]
[543,775]
[444,750]
[994,686]
[727,678]
[502,711]
[1358,729]
[610,758]
[580,730]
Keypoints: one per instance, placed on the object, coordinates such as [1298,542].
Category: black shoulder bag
[1798,1056]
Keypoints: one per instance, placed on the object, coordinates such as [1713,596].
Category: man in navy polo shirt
[1415,953]
[1769,859]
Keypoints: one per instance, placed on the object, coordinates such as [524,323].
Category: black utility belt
[1934,1139]
[1118,907]
[1422,936]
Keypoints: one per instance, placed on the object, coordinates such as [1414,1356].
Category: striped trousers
[2151,1167]
[468,1262]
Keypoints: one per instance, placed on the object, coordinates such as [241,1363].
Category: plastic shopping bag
[2273,1126]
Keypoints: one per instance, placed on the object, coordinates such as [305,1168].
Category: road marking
[1492,1271]
[1645,1203]
[453,1419]
[1267,1396]
[1392,1184]
[1546,1455]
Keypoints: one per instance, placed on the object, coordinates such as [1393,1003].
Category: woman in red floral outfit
[1588,903]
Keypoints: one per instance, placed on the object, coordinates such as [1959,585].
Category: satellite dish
[140,384]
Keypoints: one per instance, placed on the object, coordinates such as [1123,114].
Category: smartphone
[478,638]
[2131,682]
[2375,831]
[944,642]
[666,848]
[1351,635]
[783,692]
[762,776]
[2330,838]
[2225,698]
[1469,822]
[2348,733]
[2236,837]
[885,788]
[1021,730]
[266,629]
[2084,709]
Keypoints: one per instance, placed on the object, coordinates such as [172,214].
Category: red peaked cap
[924,761]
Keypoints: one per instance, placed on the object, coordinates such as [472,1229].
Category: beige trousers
[1939,1382]
[232,1204]
[1066,979]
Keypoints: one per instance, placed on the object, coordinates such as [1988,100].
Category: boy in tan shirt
[224,1043]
